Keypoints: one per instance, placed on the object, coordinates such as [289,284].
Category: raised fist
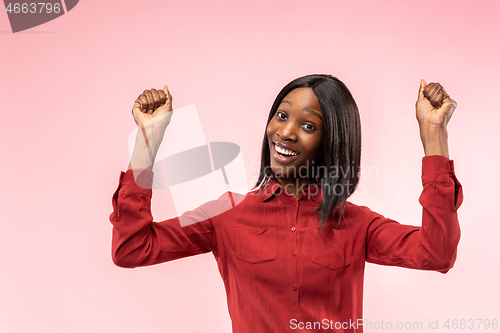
[434,106]
[153,105]
[435,93]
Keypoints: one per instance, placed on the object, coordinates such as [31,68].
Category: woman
[292,253]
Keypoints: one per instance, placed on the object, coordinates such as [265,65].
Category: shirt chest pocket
[256,245]
[330,248]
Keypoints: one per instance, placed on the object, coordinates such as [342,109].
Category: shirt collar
[273,188]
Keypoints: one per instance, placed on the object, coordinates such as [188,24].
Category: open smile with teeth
[284,151]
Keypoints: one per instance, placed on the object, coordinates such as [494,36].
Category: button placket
[294,234]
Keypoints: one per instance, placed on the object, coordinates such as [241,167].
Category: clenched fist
[153,105]
[434,106]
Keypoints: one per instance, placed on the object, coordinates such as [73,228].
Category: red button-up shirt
[280,271]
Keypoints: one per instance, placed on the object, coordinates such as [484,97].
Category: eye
[308,127]
[281,115]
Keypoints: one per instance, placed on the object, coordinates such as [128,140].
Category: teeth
[284,151]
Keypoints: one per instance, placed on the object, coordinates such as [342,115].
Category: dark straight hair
[338,168]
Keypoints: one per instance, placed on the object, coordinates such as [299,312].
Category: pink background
[66,90]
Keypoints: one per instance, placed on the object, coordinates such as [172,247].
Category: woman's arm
[137,239]
[433,246]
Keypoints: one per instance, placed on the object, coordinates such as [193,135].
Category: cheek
[270,129]
[316,146]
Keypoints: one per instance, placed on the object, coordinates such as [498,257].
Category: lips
[284,151]
[282,154]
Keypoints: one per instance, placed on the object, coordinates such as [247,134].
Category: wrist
[434,140]
[147,144]
[150,134]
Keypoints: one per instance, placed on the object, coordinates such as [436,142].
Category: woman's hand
[152,104]
[434,110]
[434,106]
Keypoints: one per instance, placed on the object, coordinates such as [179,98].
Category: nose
[287,131]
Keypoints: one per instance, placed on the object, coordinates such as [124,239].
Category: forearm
[147,143]
[434,140]
[433,246]
[440,199]
[132,244]
[139,241]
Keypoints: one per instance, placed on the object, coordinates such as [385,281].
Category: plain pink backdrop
[66,90]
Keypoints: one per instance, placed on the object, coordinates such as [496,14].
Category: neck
[294,186]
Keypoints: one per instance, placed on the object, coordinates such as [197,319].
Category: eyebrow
[306,109]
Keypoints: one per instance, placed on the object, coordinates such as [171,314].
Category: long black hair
[338,168]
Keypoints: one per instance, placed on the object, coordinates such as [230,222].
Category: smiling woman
[316,118]
[292,252]
[295,135]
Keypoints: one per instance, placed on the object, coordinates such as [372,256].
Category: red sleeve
[433,246]
[138,241]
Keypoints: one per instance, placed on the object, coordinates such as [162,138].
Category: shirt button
[294,253]
[295,287]
[295,203]
[293,229]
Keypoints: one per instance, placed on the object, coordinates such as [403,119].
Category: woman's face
[295,135]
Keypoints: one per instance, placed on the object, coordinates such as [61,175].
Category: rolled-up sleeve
[433,246]
[139,241]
